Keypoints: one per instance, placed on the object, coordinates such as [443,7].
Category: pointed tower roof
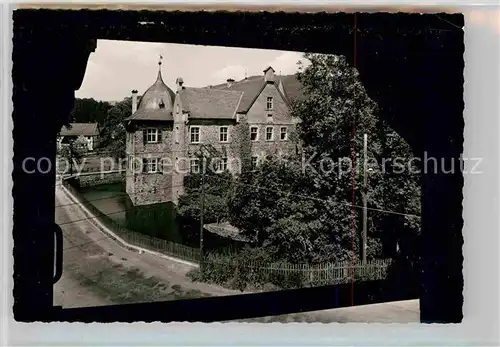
[157,102]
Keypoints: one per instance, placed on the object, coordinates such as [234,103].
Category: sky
[118,67]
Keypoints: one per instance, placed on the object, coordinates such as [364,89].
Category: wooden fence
[296,275]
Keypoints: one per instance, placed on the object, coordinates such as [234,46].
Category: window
[151,135]
[283,134]
[269,102]
[152,165]
[223,134]
[222,165]
[195,134]
[176,134]
[195,165]
[254,131]
[269,133]
[178,108]
[254,163]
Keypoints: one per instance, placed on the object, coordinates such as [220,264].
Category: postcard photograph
[177,173]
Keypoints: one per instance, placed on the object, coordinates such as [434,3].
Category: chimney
[269,75]
[230,82]
[134,101]
[179,82]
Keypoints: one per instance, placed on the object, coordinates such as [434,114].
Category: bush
[256,269]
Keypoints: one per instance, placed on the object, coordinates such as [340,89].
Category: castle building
[167,129]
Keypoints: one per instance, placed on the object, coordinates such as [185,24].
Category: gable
[258,111]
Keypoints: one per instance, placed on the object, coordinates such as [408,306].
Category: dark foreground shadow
[213,309]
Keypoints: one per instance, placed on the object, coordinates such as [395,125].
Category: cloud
[117,67]
[286,63]
[236,72]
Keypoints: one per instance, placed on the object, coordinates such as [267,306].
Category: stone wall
[149,188]
[97,178]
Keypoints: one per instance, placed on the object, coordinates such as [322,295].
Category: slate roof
[292,87]
[80,129]
[215,102]
[253,85]
[205,103]
[249,87]
[159,94]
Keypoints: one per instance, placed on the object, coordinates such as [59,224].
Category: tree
[284,212]
[306,212]
[398,191]
[114,134]
[242,146]
[74,152]
[335,115]
[90,111]
[216,188]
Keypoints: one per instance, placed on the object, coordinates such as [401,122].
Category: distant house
[90,131]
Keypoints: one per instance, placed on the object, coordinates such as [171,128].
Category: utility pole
[71,149]
[365,193]
[202,206]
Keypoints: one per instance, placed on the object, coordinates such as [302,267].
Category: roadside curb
[105,230]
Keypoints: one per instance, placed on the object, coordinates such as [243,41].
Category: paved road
[98,271]
[90,256]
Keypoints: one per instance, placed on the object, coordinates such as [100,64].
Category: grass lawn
[122,285]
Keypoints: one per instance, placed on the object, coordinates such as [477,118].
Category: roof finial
[159,78]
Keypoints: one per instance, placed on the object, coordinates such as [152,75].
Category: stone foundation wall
[150,188]
[97,178]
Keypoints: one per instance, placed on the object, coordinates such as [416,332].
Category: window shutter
[144,136]
[159,135]
[159,163]
[144,165]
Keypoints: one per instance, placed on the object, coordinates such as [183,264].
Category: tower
[149,145]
